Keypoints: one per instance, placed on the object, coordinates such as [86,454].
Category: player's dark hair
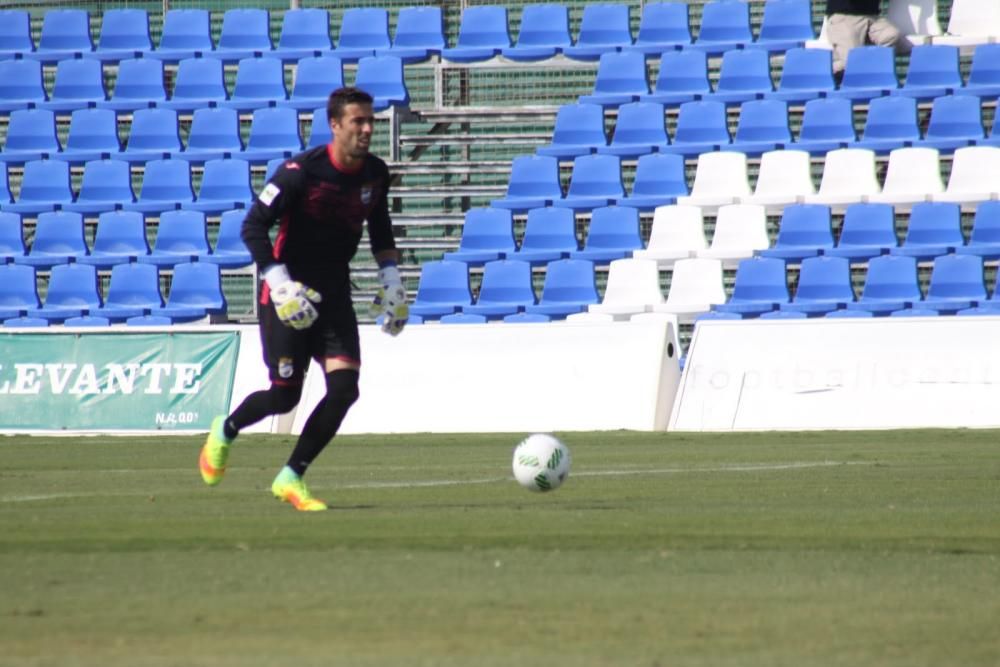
[341,97]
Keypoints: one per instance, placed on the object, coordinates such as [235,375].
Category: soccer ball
[541,462]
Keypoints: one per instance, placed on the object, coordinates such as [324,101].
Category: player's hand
[390,301]
[293,302]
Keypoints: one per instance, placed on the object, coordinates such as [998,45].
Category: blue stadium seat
[93,135]
[463,318]
[805,231]
[230,252]
[133,287]
[272,166]
[534,181]
[73,291]
[87,321]
[506,289]
[870,71]
[786,24]
[21,85]
[824,285]
[482,34]
[891,123]
[570,287]
[596,181]
[18,290]
[544,33]
[621,78]
[382,77]
[79,83]
[933,71]
[639,129]
[891,284]
[683,77]
[806,75]
[260,82]
[124,35]
[11,238]
[305,33]
[549,234]
[25,323]
[44,187]
[214,133]
[868,230]
[443,289]
[724,26]
[120,238]
[362,31]
[106,186]
[663,27]
[487,235]
[195,290]
[139,85]
[744,75]
[827,124]
[701,127]
[760,287]
[246,33]
[15,34]
[225,185]
[984,72]
[31,135]
[762,126]
[181,236]
[186,34]
[166,185]
[985,237]
[65,35]
[613,233]
[58,239]
[5,195]
[155,135]
[525,318]
[604,28]
[935,228]
[274,132]
[784,315]
[659,180]
[956,121]
[419,34]
[578,130]
[150,321]
[199,83]
[319,129]
[956,283]
[315,78]
[843,313]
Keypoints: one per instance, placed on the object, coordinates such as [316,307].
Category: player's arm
[390,301]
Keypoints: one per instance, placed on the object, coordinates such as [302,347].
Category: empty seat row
[245,33]
[58,237]
[806,74]
[133,294]
[156,133]
[199,82]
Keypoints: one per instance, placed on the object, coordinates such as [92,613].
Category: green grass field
[765,549]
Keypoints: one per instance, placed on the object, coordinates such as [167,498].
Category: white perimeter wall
[841,374]
[496,378]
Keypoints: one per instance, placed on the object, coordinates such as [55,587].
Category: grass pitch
[661,549]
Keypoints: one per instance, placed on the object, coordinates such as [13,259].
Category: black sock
[322,425]
[277,399]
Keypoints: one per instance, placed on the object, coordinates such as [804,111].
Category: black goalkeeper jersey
[321,209]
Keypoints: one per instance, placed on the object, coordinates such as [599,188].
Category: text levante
[151,378]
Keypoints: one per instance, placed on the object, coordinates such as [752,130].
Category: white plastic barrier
[841,374]
[510,378]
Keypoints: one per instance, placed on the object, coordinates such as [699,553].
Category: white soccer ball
[541,462]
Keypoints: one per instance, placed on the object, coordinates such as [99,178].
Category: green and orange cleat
[289,487]
[214,453]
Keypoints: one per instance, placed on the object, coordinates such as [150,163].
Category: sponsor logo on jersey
[268,194]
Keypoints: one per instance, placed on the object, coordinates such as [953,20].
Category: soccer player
[321,199]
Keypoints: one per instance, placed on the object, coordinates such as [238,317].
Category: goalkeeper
[320,200]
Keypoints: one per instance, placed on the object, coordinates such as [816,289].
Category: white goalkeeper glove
[293,301]
[390,301]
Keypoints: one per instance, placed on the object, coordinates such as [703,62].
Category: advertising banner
[154,381]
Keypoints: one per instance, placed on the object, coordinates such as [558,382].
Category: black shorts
[287,351]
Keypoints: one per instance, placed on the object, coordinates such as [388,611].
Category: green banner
[105,381]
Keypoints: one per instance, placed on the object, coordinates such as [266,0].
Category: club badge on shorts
[285,367]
